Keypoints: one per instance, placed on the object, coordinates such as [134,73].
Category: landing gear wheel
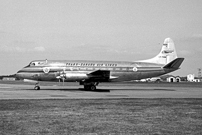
[37,88]
[92,87]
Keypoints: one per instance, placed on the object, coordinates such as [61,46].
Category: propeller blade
[63,79]
[58,77]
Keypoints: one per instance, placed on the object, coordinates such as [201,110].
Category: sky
[115,30]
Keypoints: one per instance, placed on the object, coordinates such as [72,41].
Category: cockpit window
[36,63]
[32,64]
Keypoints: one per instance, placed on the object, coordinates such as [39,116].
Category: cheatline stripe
[34,71]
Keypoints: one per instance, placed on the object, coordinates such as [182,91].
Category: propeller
[63,79]
[62,76]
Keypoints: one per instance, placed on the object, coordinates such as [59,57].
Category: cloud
[191,38]
[184,52]
[18,49]
[198,36]
[200,49]
[39,49]
[9,43]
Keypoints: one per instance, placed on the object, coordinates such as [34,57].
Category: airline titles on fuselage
[92,64]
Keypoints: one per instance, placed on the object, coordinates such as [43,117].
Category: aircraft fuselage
[90,73]
[51,70]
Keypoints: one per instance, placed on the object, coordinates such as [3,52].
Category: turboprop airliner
[91,73]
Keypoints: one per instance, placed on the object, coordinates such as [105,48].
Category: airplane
[91,73]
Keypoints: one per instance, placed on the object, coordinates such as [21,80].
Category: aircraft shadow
[73,90]
[103,90]
[145,89]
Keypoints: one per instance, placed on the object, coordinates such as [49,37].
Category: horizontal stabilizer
[175,63]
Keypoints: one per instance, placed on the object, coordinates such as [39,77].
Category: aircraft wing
[99,74]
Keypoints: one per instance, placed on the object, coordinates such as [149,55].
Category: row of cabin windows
[111,69]
[92,64]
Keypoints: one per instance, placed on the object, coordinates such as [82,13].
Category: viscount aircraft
[91,73]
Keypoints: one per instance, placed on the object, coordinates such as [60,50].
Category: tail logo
[166,45]
[167,51]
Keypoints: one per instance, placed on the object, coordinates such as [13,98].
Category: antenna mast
[199,72]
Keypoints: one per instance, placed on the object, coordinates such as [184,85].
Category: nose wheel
[37,87]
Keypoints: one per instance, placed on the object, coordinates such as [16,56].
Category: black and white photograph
[100,67]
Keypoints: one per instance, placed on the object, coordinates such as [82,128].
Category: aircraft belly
[128,76]
[35,76]
[47,77]
[124,76]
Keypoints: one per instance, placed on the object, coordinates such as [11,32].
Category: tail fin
[166,55]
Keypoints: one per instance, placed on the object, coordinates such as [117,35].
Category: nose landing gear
[37,87]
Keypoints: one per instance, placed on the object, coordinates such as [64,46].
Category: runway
[115,108]
[105,90]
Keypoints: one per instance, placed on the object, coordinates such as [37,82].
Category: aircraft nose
[26,73]
[22,74]
[19,74]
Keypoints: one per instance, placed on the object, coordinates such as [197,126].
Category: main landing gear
[37,87]
[89,85]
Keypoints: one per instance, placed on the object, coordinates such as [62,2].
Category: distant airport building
[156,79]
[178,79]
[166,78]
[8,79]
[173,79]
[192,78]
[197,80]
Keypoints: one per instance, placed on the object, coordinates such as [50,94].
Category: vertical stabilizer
[166,55]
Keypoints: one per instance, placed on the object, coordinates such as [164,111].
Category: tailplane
[175,64]
[166,55]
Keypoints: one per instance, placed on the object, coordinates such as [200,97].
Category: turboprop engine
[73,76]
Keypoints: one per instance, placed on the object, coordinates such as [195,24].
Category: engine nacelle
[75,76]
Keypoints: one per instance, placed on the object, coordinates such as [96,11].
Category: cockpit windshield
[35,63]
[32,64]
